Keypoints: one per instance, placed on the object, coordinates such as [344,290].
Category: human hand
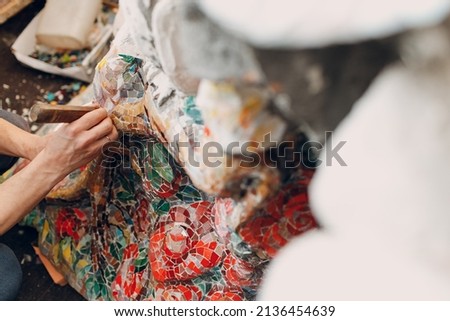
[75,144]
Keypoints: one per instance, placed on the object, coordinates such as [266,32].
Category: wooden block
[56,276]
[9,8]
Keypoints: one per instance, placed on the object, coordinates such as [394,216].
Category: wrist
[34,146]
[49,167]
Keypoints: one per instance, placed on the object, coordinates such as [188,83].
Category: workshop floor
[20,87]
[37,284]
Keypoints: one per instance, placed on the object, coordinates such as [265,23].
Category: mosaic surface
[164,240]
[132,226]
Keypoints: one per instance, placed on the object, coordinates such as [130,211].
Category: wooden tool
[46,113]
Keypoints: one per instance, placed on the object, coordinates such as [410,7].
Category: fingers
[101,130]
[88,120]
[90,133]
[93,140]
[113,134]
[98,146]
[104,132]
[75,144]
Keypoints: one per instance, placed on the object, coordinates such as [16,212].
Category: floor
[20,87]
[37,284]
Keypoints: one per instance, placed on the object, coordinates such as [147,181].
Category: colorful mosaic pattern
[136,228]
[119,87]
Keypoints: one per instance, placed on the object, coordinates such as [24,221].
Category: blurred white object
[66,24]
[320,267]
[386,215]
[315,23]
[132,34]
[190,47]
[167,27]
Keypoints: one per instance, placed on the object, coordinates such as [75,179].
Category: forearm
[71,146]
[23,191]
[17,142]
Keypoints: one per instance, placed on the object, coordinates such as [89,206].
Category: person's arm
[17,142]
[72,146]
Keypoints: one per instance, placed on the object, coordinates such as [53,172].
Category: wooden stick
[46,113]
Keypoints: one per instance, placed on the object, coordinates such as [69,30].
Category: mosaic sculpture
[141,222]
